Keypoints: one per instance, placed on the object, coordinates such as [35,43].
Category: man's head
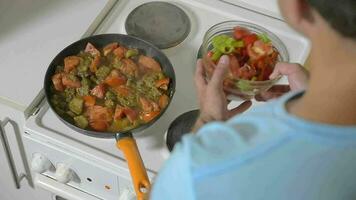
[310,16]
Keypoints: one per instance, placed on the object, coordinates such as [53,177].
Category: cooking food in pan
[111,89]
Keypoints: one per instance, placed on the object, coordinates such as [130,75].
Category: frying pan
[124,140]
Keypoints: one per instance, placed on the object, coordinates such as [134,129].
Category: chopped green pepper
[224,44]
[102,72]
[84,90]
[85,82]
[94,79]
[69,94]
[244,86]
[110,95]
[109,103]
[264,38]
[117,63]
[130,100]
[216,55]
[119,125]
[131,52]
[81,121]
[76,105]
[70,113]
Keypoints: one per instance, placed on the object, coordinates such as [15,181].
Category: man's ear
[298,13]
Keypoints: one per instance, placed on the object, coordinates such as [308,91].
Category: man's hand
[297,78]
[211,96]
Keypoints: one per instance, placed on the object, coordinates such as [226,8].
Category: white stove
[93,168]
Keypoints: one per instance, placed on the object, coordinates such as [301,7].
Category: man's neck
[331,95]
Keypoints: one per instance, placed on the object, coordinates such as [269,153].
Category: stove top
[161,23]
[182,125]
[202,15]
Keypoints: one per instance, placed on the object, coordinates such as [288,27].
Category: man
[300,146]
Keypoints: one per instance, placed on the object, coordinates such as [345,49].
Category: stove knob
[40,163]
[63,173]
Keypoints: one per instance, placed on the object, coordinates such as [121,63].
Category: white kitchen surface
[267,7]
[32,32]
[203,14]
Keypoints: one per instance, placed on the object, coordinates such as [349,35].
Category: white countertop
[32,32]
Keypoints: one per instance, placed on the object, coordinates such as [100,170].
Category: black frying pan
[125,140]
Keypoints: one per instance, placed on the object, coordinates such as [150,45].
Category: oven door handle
[61,189]
[15,175]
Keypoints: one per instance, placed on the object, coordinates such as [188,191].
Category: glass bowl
[241,88]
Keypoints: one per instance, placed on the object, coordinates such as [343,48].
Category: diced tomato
[155,106]
[149,63]
[99,125]
[70,83]
[122,90]
[148,116]
[119,112]
[240,32]
[252,53]
[163,101]
[228,83]
[129,67]
[234,66]
[263,48]
[99,117]
[99,113]
[162,83]
[120,52]
[247,72]
[98,91]
[57,82]
[268,71]
[250,39]
[89,100]
[115,78]
[109,48]
[95,63]
[70,63]
[146,104]
[131,114]
[210,54]
[92,50]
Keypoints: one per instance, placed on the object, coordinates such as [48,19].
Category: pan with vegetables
[253,53]
[109,86]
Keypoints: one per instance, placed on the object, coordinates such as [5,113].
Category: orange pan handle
[127,144]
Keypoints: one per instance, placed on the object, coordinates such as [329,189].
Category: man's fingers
[199,76]
[279,89]
[282,68]
[239,109]
[274,92]
[268,96]
[219,72]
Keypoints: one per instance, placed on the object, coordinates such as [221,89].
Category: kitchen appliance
[182,125]
[76,166]
[125,141]
[32,32]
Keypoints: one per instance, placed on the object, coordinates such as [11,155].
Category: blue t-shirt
[266,154]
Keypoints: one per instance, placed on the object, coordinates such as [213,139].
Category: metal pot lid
[161,23]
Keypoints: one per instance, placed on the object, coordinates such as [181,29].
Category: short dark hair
[340,14]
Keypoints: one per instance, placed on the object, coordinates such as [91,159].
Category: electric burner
[182,125]
[161,23]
